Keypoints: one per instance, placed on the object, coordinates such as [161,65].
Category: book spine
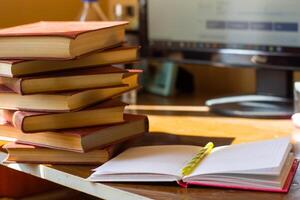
[17,86]
[16,118]
[14,84]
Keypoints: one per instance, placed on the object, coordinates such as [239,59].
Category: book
[65,81]
[19,68]
[32,154]
[110,112]
[64,102]
[79,140]
[58,39]
[263,166]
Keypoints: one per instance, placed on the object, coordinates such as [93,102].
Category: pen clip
[189,168]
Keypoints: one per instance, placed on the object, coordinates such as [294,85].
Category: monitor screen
[236,26]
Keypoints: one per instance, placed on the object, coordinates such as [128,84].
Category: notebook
[263,166]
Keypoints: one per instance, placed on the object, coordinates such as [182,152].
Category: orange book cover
[69,29]
[60,39]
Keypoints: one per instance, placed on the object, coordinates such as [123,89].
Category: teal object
[162,82]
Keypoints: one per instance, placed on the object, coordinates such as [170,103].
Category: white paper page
[247,158]
[163,159]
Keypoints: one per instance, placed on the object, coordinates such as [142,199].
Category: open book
[264,165]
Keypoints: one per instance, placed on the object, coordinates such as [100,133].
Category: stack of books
[58,90]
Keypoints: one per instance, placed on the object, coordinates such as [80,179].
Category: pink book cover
[285,188]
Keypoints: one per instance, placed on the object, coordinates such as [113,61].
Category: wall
[14,12]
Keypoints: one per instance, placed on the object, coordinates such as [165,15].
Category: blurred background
[207,79]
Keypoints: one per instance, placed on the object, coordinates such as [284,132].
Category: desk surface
[187,120]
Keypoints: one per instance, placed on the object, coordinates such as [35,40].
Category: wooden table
[178,119]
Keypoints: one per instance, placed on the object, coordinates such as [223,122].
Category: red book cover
[285,188]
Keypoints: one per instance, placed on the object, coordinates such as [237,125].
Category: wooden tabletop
[177,122]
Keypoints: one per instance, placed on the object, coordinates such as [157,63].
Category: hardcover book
[110,112]
[65,102]
[58,39]
[79,140]
[65,81]
[19,68]
[31,154]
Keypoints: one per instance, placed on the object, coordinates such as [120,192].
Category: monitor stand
[274,98]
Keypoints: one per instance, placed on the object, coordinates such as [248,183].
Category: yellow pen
[189,168]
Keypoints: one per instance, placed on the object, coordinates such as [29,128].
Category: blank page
[163,159]
[263,157]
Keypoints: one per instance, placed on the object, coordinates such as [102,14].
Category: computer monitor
[251,33]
